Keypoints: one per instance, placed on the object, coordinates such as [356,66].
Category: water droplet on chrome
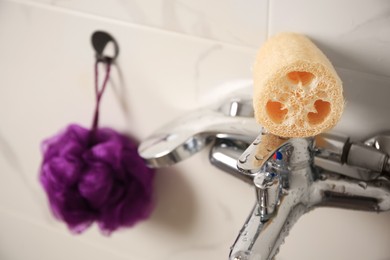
[259,157]
[363,184]
[322,177]
[243,158]
[257,141]
[241,255]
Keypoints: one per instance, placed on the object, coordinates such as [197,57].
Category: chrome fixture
[290,176]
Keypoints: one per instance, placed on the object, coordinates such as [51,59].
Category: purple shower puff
[100,179]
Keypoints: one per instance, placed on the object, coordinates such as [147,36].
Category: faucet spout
[287,186]
[260,240]
[282,186]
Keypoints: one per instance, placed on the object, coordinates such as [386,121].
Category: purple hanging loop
[100,42]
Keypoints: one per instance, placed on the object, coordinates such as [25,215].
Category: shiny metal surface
[304,187]
[191,133]
[331,147]
[241,107]
[224,154]
[233,120]
[252,160]
[268,190]
[382,143]
[357,160]
[363,156]
[290,176]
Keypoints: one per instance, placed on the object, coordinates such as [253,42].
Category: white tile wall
[219,20]
[47,83]
[353,34]
[175,56]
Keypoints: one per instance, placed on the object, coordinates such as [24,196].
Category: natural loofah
[297,92]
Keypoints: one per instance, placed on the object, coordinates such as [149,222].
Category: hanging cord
[99,92]
[100,41]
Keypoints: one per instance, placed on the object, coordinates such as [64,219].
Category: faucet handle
[188,135]
[259,152]
[269,159]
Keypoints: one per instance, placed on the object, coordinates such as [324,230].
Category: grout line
[129,24]
[268,18]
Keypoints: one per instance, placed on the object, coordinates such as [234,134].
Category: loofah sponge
[297,92]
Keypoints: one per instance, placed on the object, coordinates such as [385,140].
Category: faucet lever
[186,136]
[259,152]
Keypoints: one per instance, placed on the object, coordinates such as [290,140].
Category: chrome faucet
[290,176]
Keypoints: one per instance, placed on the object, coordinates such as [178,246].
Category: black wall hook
[100,40]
